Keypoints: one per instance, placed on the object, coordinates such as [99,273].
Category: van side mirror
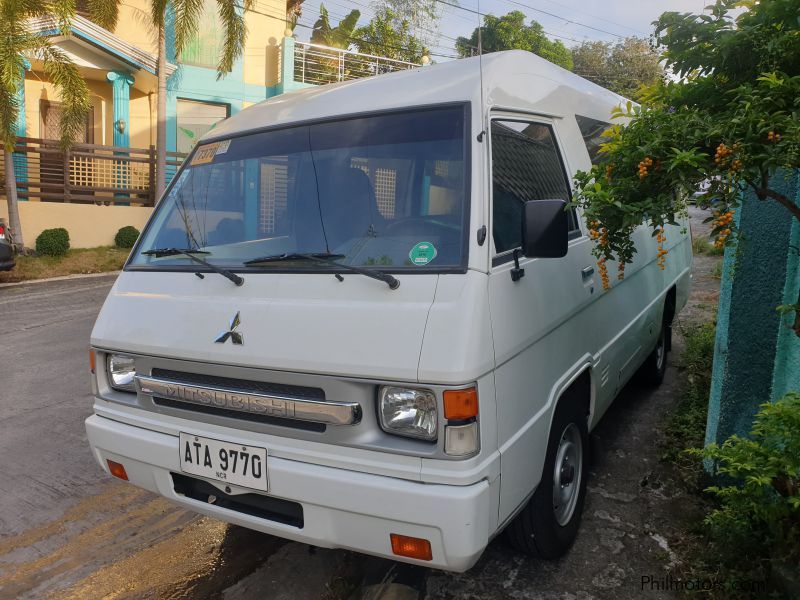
[545,229]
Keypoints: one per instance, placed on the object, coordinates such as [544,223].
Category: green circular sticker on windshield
[422,253]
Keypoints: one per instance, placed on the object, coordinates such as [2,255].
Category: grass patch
[701,245]
[717,273]
[686,427]
[78,260]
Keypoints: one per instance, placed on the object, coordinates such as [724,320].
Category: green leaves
[763,496]
[730,123]
[510,32]
[335,37]
[387,34]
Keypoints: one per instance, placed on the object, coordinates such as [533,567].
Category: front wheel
[548,524]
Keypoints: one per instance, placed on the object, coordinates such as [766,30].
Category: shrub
[53,242]
[759,511]
[126,237]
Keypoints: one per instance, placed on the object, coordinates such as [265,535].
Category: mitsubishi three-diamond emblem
[231,333]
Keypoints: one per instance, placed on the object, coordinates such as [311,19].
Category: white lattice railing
[318,64]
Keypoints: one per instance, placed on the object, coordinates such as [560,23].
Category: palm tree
[186,16]
[17,43]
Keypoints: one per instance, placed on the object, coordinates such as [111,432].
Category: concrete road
[69,531]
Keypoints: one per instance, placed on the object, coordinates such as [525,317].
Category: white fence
[320,64]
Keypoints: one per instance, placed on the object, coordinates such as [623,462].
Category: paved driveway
[68,530]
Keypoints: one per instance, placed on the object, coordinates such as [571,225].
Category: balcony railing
[86,173]
[315,64]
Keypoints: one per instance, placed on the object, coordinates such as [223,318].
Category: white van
[362,318]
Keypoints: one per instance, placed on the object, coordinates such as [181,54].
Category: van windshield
[385,191]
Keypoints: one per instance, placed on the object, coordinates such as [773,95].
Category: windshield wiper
[190,253]
[328,259]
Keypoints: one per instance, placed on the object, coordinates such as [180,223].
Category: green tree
[422,16]
[16,43]
[510,32]
[623,68]
[335,37]
[389,35]
[732,119]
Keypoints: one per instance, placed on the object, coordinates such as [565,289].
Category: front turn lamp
[121,371]
[408,412]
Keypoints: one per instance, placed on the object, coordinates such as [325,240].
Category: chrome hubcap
[660,352]
[567,474]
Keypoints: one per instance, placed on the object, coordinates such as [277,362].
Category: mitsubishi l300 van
[363,317]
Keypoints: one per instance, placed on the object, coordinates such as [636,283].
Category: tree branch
[764,192]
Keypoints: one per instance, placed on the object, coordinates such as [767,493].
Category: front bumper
[341,508]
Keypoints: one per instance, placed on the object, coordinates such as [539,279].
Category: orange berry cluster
[598,233]
[621,270]
[724,221]
[603,270]
[723,152]
[609,171]
[644,165]
[774,137]
[661,237]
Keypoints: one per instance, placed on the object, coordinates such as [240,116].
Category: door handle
[587,272]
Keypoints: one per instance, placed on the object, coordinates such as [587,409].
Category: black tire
[536,530]
[653,369]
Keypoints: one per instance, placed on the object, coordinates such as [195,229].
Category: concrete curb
[61,278]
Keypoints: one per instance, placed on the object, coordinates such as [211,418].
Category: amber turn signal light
[91,360]
[411,547]
[117,470]
[460,405]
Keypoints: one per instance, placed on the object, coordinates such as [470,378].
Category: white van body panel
[520,344]
[287,319]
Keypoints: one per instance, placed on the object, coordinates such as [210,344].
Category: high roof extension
[514,79]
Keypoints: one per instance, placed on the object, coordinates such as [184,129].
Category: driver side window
[526,165]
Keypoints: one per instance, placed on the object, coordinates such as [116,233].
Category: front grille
[255,505]
[245,385]
[240,415]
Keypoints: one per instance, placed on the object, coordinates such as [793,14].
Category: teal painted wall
[756,358]
[787,357]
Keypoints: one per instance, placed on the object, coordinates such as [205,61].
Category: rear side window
[592,133]
[526,165]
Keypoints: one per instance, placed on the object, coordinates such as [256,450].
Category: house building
[112,164]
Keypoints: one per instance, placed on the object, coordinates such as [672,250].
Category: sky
[571,21]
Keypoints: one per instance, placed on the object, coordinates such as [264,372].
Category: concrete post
[121,94]
[757,354]
[121,85]
[287,64]
[21,160]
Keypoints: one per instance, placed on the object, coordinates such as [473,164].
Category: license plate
[245,466]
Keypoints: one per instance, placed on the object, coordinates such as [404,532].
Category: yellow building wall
[134,25]
[142,125]
[100,97]
[88,225]
[264,35]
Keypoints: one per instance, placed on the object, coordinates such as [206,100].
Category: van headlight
[407,411]
[121,371]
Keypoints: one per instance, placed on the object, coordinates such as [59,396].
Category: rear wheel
[548,524]
[654,367]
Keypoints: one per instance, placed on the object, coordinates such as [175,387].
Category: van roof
[514,79]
